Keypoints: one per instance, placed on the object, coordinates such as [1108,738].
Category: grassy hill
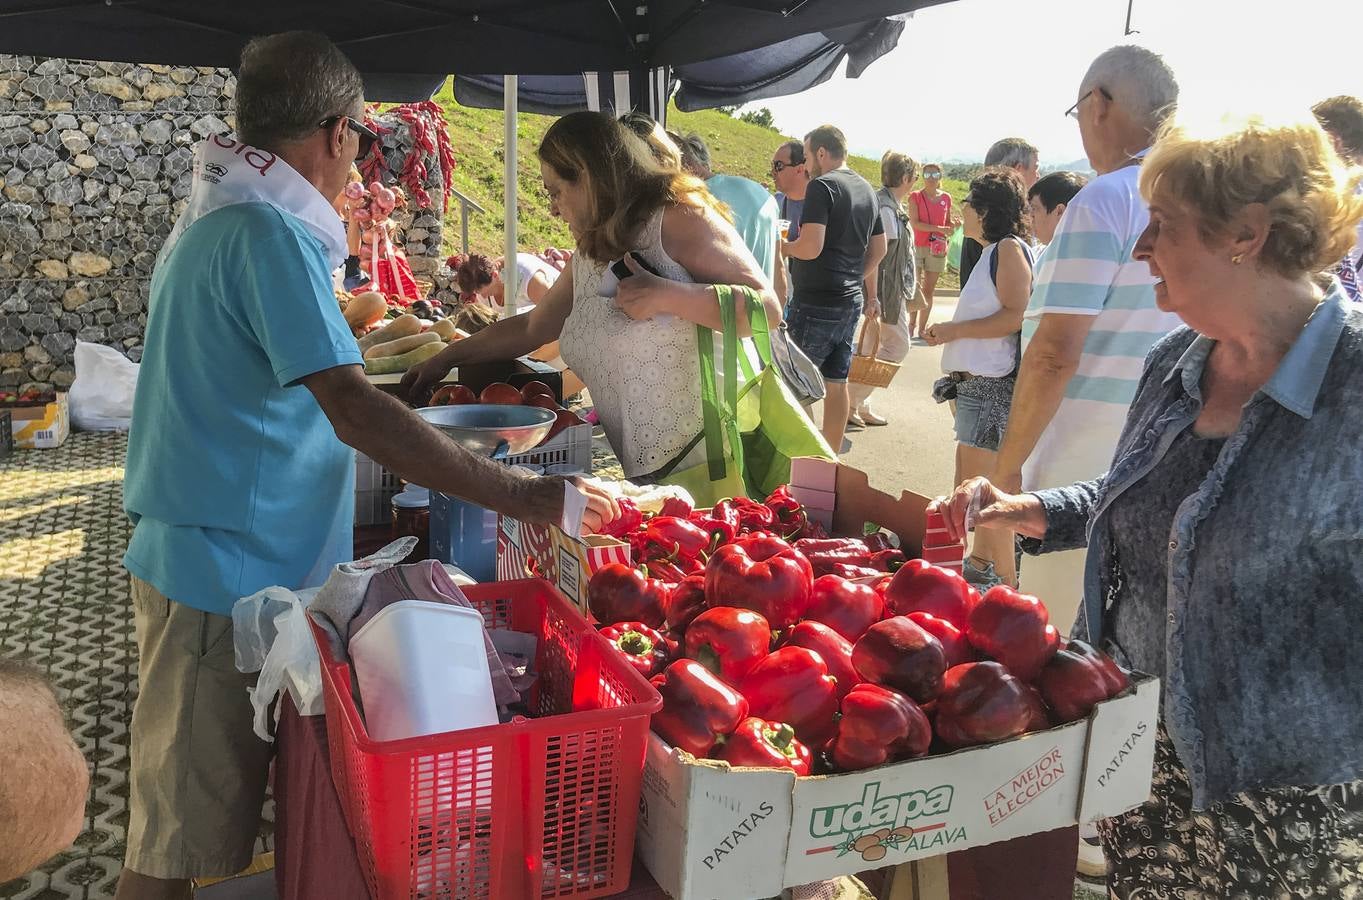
[737,148]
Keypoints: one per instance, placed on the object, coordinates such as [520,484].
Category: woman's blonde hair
[1289,167]
[625,183]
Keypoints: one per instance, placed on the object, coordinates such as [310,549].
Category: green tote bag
[751,433]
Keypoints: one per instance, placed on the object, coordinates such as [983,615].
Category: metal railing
[465,204]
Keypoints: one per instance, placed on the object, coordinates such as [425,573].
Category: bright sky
[1007,68]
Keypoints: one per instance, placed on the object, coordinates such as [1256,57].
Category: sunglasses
[1073,111]
[779,167]
[933,175]
[368,137]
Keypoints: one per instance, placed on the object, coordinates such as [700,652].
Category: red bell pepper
[675,539]
[835,650]
[952,639]
[1040,717]
[778,586]
[898,653]
[853,573]
[1077,679]
[629,520]
[685,601]
[698,708]
[791,518]
[617,593]
[644,647]
[728,641]
[793,685]
[676,506]
[877,541]
[752,516]
[920,586]
[1116,678]
[878,724]
[664,570]
[721,523]
[846,607]
[757,742]
[888,560]
[1013,628]
[982,702]
[825,553]
[762,545]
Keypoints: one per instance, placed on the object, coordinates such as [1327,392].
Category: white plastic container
[422,669]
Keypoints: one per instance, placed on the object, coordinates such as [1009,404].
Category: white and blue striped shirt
[1088,270]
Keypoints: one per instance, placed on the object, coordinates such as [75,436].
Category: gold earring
[1237,258]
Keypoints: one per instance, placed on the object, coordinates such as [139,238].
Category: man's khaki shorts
[927,262]
[197,780]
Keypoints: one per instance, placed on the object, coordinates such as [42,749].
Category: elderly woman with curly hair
[1226,539]
[982,346]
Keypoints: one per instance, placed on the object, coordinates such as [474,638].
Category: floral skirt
[1260,845]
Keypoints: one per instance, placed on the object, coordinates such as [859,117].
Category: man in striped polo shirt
[1092,316]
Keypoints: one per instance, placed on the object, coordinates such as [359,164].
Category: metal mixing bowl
[491,429]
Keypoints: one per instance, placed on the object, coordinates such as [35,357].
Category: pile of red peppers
[775,645]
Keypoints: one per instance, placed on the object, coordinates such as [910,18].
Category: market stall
[776,690]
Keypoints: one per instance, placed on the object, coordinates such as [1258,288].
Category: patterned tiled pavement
[64,607]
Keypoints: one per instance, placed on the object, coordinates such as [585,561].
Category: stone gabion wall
[95,162]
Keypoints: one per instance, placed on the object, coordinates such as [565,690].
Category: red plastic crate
[542,807]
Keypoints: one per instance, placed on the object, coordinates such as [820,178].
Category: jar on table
[412,518]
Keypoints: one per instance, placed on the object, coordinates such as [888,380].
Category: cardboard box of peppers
[773,644]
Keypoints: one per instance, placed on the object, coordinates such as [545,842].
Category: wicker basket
[866,368]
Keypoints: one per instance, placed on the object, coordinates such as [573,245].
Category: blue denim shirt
[1264,640]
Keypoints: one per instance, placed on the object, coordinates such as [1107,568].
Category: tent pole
[509,270]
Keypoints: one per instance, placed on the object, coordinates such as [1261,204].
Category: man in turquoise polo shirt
[240,472]
[754,209]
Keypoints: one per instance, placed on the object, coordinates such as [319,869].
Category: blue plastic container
[464,534]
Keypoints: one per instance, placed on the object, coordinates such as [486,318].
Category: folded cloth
[356,591]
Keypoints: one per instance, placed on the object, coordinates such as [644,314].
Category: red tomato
[564,420]
[500,392]
[454,395]
[543,401]
[530,389]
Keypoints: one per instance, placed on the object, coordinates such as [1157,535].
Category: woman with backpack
[982,347]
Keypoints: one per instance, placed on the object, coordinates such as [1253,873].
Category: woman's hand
[872,308]
[644,295]
[940,333]
[420,380]
[992,508]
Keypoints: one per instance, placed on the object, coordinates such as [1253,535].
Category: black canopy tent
[434,37]
[724,51]
[786,67]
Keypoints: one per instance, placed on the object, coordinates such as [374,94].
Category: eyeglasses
[778,167]
[1073,111]
[368,137]
[933,175]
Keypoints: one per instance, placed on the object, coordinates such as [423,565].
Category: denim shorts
[982,406]
[825,334]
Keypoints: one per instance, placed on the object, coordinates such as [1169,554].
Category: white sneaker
[1091,863]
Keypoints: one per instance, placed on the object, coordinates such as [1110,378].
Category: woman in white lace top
[635,351]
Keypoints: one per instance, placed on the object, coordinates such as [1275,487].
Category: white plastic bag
[271,636]
[101,397]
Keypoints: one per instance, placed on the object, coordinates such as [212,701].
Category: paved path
[916,451]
